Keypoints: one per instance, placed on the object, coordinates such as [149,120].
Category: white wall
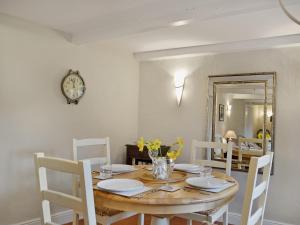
[34,115]
[159,115]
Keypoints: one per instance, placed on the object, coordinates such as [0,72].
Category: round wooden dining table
[162,204]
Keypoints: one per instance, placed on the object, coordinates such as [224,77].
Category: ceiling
[145,25]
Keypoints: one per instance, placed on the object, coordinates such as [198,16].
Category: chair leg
[106,222]
[225,217]
[189,222]
[141,219]
[75,218]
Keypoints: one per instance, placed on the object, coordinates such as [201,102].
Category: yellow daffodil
[180,142]
[174,154]
[178,153]
[155,145]
[141,144]
[171,155]
[260,136]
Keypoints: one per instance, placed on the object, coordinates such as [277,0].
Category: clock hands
[73,87]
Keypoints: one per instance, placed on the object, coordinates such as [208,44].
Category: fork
[146,192]
[189,188]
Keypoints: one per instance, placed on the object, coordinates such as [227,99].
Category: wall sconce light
[270,115]
[179,84]
[229,107]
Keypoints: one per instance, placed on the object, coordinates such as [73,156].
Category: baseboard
[235,218]
[66,217]
[60,218]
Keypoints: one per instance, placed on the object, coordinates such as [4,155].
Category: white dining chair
[79,144]
[83,204]
[104,216]
[257,192]
[198,147]
[249,152]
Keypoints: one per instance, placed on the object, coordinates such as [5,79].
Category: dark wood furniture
[135,157]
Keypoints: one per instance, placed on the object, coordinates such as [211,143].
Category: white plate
[207,183]
[119,168]
[120,185]
[187,167]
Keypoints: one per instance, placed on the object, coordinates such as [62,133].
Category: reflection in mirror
[241,110]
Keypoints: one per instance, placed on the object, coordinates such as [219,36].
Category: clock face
[73,87]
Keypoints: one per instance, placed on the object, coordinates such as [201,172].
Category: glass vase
[152,154]
[159,168]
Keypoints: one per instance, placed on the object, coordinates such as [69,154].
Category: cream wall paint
[159,115]
[34,116]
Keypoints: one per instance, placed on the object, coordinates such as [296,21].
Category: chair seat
[102,211]
[213,215]
[208,212]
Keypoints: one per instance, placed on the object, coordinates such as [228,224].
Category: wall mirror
[241,110]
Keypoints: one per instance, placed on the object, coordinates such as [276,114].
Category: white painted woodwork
[251,152]
[54,164]
[159,221]
[217,48]
[255,217]
[254,191]
[84,22]
[83,204]
[62,199]
[259,190]
[92,141]
[199,147]
[78,145]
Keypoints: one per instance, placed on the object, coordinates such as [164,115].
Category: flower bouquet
[162,166]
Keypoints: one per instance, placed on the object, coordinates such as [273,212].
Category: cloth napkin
[216,190]
[196,171]
[114,173]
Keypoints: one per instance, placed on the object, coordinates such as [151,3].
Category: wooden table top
[184,200]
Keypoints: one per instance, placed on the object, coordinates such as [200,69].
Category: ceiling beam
[227,47]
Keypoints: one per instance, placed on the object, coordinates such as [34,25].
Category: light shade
[269,113]
[230,134]
[179,91]
[179,84]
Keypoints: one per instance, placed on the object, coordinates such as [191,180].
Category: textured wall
[159,115]
[34,115]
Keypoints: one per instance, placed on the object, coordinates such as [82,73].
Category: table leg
[159,221]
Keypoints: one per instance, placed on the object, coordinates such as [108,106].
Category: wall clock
[73,87]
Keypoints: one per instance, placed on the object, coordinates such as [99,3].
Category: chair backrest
[198,146]
[251,140]
[83,204]
[256,192]
[254,141]
[77,143]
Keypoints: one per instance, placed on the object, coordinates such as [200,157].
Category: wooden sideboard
[135,157]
